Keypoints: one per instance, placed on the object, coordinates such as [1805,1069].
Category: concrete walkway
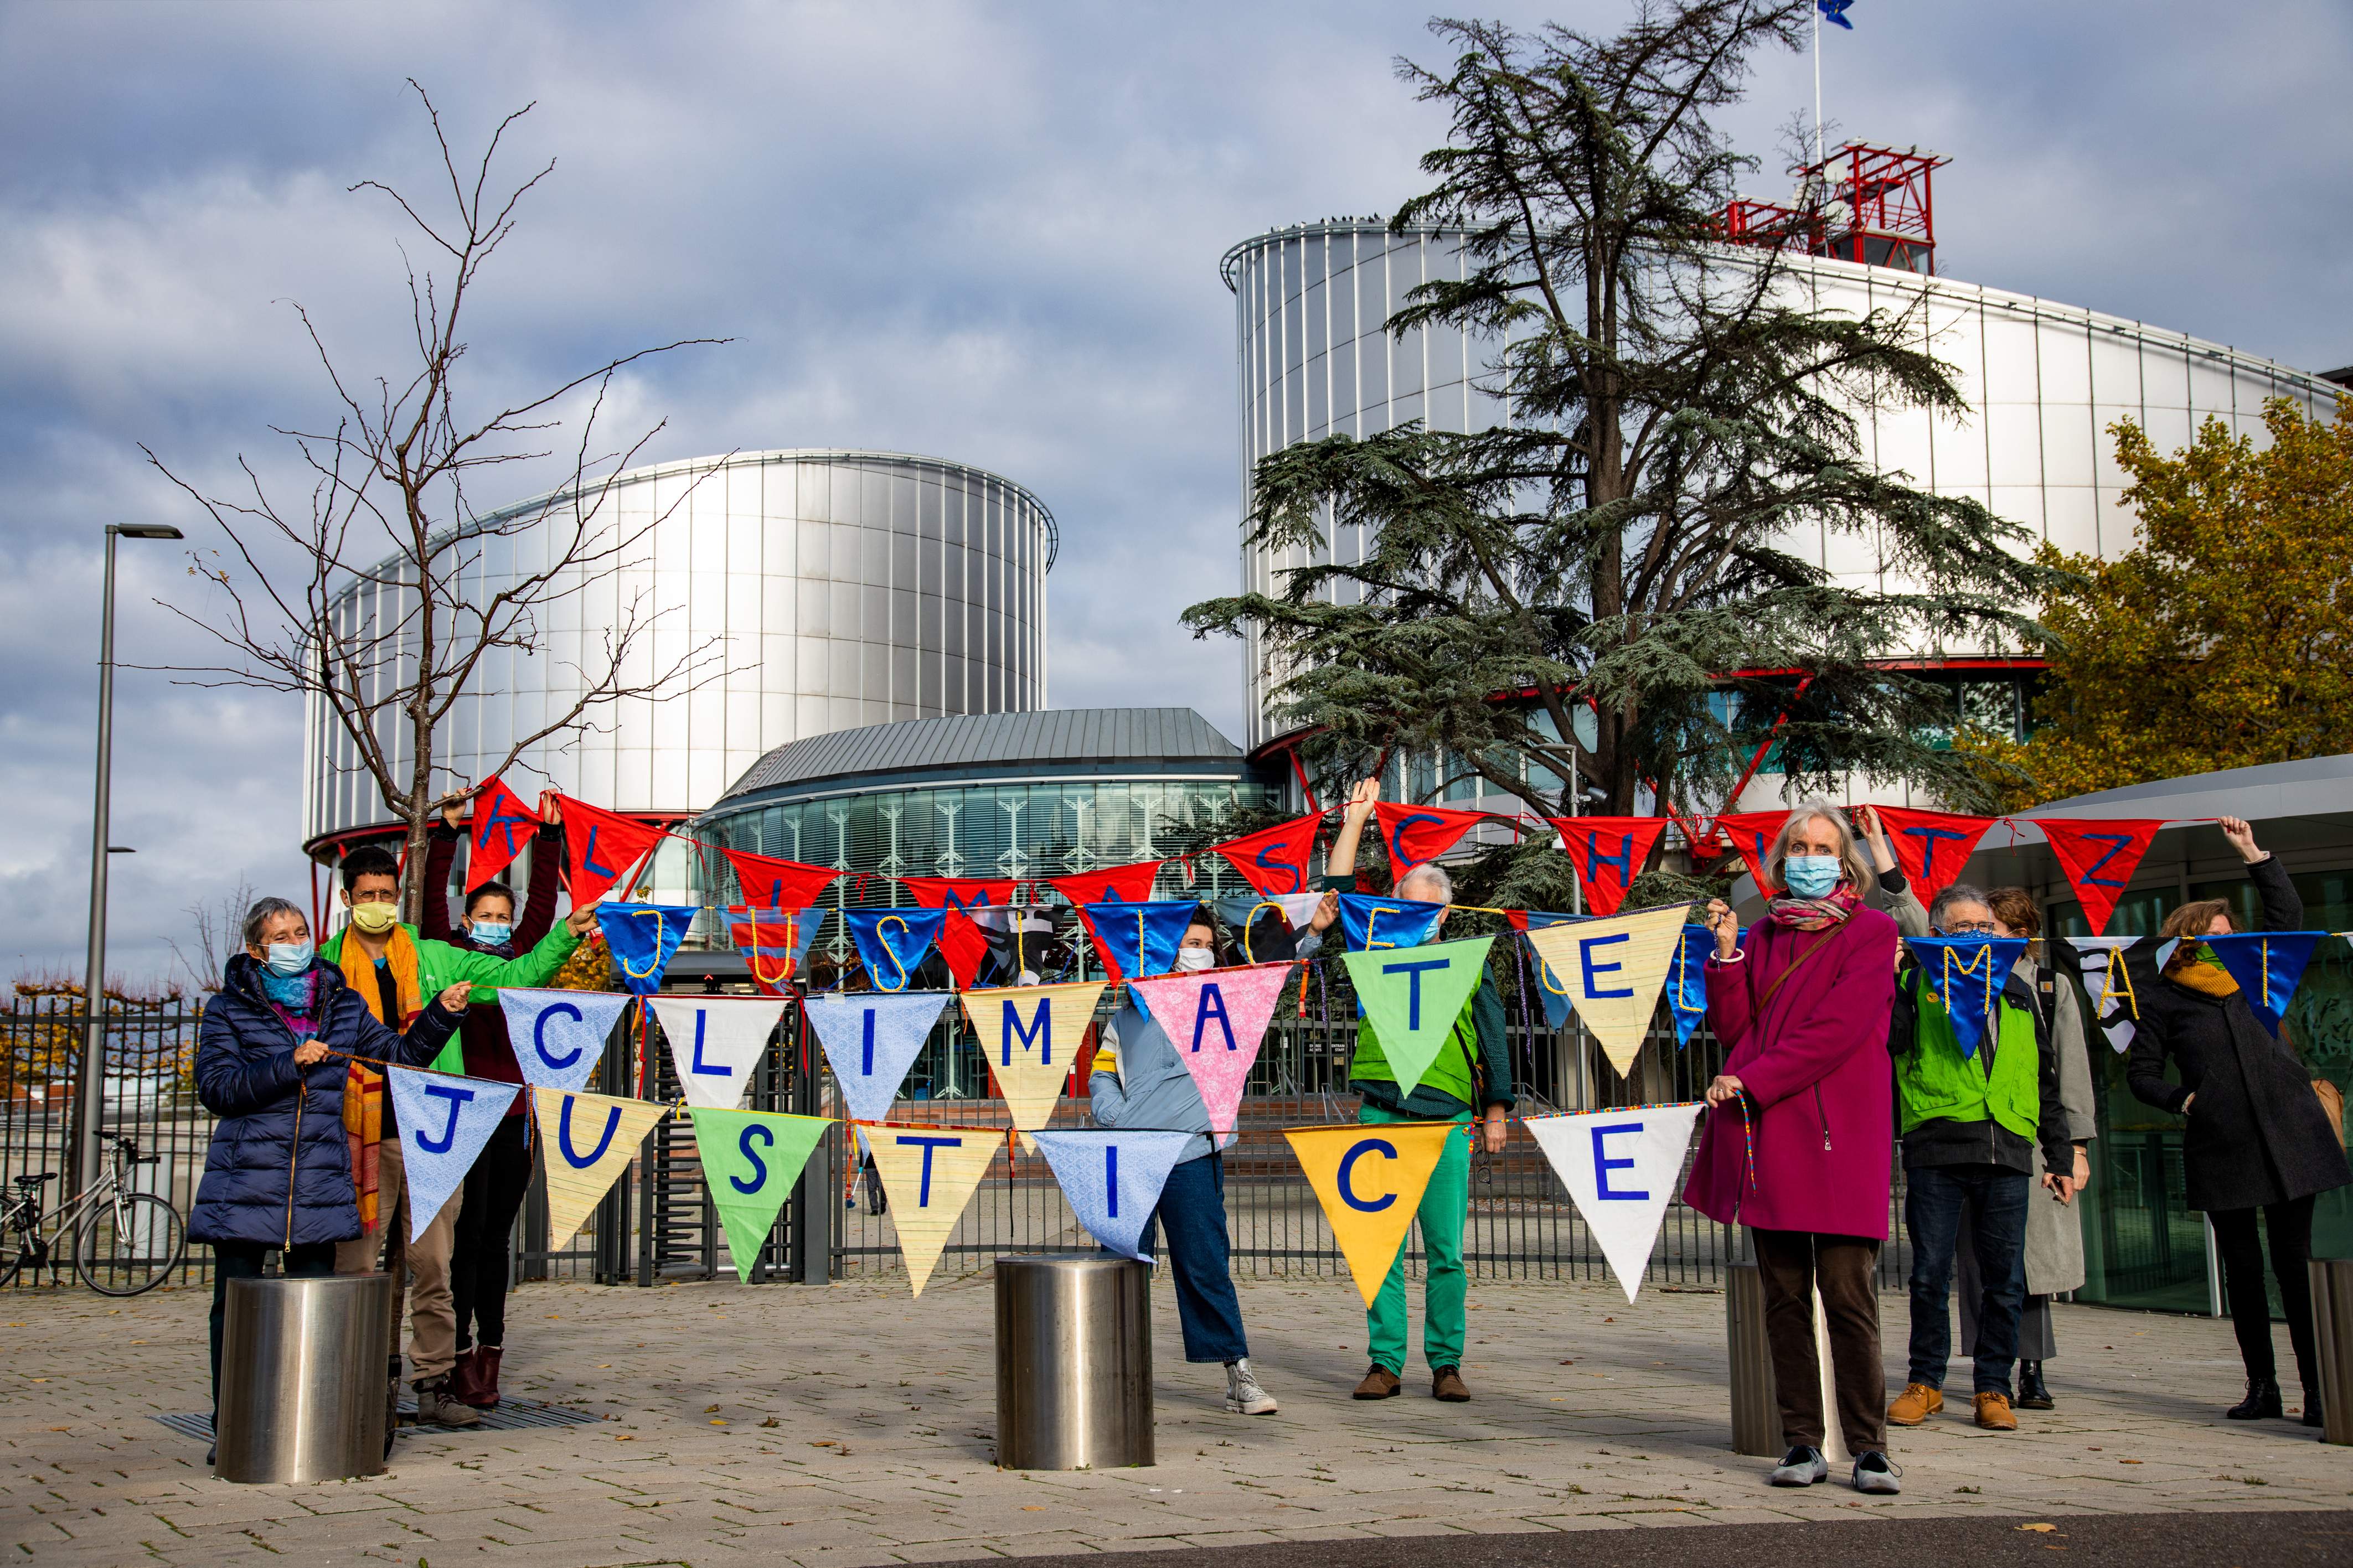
[849,1424]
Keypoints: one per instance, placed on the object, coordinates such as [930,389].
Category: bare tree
[217,930]
[395,589]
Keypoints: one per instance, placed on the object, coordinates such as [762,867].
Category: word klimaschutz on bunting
[1112,1179]
[1620,1167]
[1370,1178]
[1413,996]
[587,1140]
[1613,969]
[559,1035]
[929,1174]
[1216,1020]
[715,1042]
[1031,1035]
[750,1161]
[444,1123]
[871,1038]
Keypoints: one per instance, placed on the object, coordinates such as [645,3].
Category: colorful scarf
[362,1084]
[1813,914]
[2197,969]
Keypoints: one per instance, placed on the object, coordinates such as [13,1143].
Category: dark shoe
[2313,1416]
[2262,1401]
[1379,1382]
[1446,1382]
[1800,1466]
[2033,1393]
[462,1386]
[1873,1474]
[483,1394]
[436,1405]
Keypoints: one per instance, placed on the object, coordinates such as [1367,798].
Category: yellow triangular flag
[590,1139]
[1030,1035]
[1369,1179]
[929,1173]
[1613,969]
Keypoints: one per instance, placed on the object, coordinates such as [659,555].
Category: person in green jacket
[1472,1071]
[392,970]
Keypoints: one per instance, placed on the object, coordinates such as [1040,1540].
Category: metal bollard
[302,1388]
[2332,1327]
[1073,1363]
[1756,1406]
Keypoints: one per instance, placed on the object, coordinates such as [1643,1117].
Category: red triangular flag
[501,826]
[962,943]
[1752,833]
[2098,857]
[601,846]
[1932,846]
[1110,885]
[1608,853]
[1413,833]
[770,883]
[1277,859]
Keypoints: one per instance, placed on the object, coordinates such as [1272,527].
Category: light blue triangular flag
[559,1035]
[1966,974]
[1112,1179]
[444,1123]
[2268,965]
[870,1039]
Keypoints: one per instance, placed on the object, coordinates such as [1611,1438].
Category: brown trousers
[433,1344]
[1793,1265]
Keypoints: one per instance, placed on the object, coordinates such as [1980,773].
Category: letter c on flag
[539,1034]
[1362,1147]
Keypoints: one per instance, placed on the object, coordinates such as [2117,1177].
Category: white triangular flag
[2101,961]
[1621,1167]
[715,1042]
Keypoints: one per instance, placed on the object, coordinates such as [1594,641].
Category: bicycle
[125,1242]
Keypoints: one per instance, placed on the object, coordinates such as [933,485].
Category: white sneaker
[1244,1396]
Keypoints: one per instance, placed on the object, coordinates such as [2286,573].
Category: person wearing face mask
[271,1057]
[2255,1142]
[481,1246]
[390,966]
[1799,1128]
[1137,1080]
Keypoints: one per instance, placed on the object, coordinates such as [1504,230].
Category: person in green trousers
[1472,1071]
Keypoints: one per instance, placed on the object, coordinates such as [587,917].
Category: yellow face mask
[375,919]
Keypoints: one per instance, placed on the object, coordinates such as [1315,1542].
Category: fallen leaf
[1031,1507]
[719,1421]
[772,1421]
[2127,1461]
[711,1410]
[2039,1529]
[623,1438]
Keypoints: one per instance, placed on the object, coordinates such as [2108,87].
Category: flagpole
[1818,84]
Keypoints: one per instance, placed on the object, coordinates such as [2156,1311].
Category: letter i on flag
[1112,1179]
[929,1176]
[589,1140]
[2268,966]
[444,1123]
[750,1161]
[1620,1167]
[1370,1180]
[870,1040]
[1413,997]
[1031,1036]
[559,1035]
[715,1042]
[1216,1020]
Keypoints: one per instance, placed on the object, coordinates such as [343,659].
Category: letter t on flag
[1933,846]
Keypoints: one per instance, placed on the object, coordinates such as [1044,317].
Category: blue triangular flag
[1835,12]
[559,1035]
[444,1123]
[891,941]
[1140,939]
[1967,975]
[1556,1007]
[870,1039]
[643,937]
[2268,965]
[1112,1179]
[1372,922]
[1687,981]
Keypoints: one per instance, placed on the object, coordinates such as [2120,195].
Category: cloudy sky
[988,231]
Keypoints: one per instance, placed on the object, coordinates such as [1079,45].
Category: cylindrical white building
[842,589]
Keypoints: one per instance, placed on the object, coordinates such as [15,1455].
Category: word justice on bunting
[588,1140]
[1030,1035]
[1368,921]
[870,1039]
[1614,969]
[559,1035]
[2108,981]
[445,1122]
[929,1175]
[501,826]
[750,1161]
[1216,1020]
[892,943]
[1112,1179]
[1413,999]
[1370,1179]
[2268,966]
[1139,940]
[1967,975]
[644,938]
[715,1042]
[1620,1167]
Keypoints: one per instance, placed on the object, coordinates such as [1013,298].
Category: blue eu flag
[1835,12]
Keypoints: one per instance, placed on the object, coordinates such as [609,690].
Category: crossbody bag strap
[1792,969]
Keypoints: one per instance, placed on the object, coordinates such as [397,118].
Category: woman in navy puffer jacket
[270,1060]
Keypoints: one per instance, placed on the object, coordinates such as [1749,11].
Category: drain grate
[512,1415]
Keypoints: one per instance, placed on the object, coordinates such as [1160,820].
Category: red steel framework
[1867,204]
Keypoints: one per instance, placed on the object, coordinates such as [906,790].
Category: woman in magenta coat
[1800,1128]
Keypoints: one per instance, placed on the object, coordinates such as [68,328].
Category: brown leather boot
[1915,1404]
[1379,1382]
[1446,1384]
[463,1387]
[486,1378]
[1994,1413]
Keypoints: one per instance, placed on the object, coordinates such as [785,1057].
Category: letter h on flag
[1608,853]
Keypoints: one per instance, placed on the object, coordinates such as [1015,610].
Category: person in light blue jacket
[1138,1081]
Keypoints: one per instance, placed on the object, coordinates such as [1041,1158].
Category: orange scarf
[364,1086]
[2206,979]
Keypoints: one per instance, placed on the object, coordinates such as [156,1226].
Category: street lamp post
[83,1157]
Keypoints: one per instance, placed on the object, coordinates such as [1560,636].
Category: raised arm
[426,1034]
[1340,865]
[538,916]
[440,851]
[2282,907]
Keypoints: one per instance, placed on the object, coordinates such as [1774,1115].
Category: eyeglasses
[1983,928]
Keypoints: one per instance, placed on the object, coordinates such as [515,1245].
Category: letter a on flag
[602,845]
[1216,1020]
[1370,1180]
[1412,997]
[503,825]
[643,937]
[750,1161]
[2108,981]
[1030,1035]
[1621,1167]
[1613,970]
[2098,857]
[715,1042]
[929,1176]
[444,1123]
[589,1140]
[1112,1179]
[1608,853]
[559,1035]
[870,1039]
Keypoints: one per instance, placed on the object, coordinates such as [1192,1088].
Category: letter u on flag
[715,1042]
[929,1175]
[1613,969]
[750,1161]
[2268,966]
[1370,1179]
[892,943]
[1966,974]
[1030,1035]
[1112,1179]
[1216,1020]
[772,941]
[1370,922]
[643,937]
[503,825]
[1139,940]
[1412,998]
[1608,853]
[444,1123]
[588,1140]
[559,1035]
[1621,1167]
[871,1038]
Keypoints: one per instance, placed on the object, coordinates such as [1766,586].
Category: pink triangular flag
[1216,1020]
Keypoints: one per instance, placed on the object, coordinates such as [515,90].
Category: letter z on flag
[2098,857]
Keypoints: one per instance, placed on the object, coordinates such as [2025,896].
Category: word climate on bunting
[715,1042]
[559,1035]
[929,1175]
[444,1124]
[1370,1180]
[1614,969]
[1031,1035]
[1217,1021]
[1413,997]
[1112,1179]
[870,1039]
[750,1161]
[588,1141]
[1620,1167]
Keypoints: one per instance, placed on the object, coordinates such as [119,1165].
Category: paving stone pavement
[848,1425]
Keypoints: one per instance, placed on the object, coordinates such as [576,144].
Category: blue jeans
[1934,1198]
[1193,1208]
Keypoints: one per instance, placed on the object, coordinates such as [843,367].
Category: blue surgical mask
[289,957]
[492,933]
[1810,875]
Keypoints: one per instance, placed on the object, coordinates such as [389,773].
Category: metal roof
[970,743]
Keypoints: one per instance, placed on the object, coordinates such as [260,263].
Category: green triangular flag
[750,1161]
[1411,996]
